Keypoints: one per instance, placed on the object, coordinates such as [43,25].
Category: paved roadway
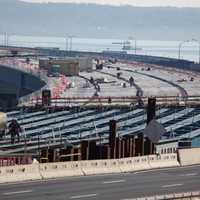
[118,186]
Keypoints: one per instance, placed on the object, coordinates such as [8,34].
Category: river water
[189,50]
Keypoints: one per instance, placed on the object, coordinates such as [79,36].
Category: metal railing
[129,100]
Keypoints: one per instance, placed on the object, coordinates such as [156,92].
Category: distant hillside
[90,20]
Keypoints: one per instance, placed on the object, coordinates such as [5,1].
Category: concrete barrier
[189,156]
[126,165]
[141,163]
[19,173]
[164,160]
[100,167]
[91,167]
[113,165]
[82,168]
[61,169]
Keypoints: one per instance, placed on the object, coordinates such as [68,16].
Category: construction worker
[131,81]
[14,129]
[3,122]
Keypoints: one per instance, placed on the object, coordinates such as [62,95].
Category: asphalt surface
[116,187]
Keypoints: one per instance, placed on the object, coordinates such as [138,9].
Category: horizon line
[104,4]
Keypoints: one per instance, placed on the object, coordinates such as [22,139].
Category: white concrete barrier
[113,165]
[83,168]
[189,156]
[126,164]
[19,173]
[91,167]
[61,169]
[100,167]
[141,163]
[163,160]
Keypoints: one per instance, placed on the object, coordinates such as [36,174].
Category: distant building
[85,64]
[68,66]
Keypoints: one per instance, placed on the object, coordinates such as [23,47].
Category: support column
[46,97]
[112,138]
[139,150]
[92,150]
[122,148]
[118,148]
[127,149]
[151,114]
[84,150]
[133,146]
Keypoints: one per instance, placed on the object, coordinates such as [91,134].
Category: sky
[177,3]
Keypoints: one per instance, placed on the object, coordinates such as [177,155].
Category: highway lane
[115,186]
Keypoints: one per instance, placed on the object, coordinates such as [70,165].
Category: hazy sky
[178,3]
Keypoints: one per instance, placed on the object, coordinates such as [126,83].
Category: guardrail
[129,100]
